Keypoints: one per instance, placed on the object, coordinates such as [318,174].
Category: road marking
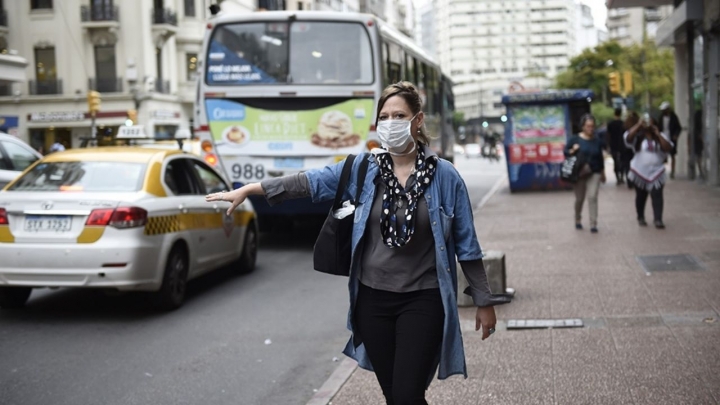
[499,183]
[333,384]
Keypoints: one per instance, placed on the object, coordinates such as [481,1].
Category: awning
[12,68]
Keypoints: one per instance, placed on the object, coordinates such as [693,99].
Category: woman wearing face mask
[413,219]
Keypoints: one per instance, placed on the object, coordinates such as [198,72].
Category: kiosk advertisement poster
[539,134]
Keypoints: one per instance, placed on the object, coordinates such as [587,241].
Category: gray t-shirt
[399,269]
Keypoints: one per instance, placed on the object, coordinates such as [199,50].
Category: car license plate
[47,223]
[289,163]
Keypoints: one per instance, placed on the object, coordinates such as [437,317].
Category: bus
[287,91]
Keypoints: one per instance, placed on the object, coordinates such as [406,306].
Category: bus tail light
[3,217]
[121,218]
[211,159]
[206,146]
[372,144]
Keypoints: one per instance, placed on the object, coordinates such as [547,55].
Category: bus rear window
[289,53]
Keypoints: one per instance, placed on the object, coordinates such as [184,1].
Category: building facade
[630,25]
[489,46]
[587,34]
[139,54]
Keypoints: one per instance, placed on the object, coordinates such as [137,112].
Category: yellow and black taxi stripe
[184,222]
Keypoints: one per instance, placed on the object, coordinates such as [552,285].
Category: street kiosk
[539,125]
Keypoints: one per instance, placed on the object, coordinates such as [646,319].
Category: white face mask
[395,135]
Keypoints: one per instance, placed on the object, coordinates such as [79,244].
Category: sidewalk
[649,337]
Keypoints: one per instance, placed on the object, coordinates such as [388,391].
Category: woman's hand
[236,197]
[574,149]
[485,318]
[603,178]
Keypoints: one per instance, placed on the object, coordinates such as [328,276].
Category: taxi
[119,218]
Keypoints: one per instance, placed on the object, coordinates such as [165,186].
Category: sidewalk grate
[544,323]
[681,262]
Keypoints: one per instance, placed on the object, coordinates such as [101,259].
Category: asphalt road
[270,337]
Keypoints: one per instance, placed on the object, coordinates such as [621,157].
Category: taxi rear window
[82,176]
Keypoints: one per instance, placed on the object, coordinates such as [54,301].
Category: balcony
[111,85]
[164,25]
[162,86]
[5,89]
[162,16]
[45,87]
[100,18]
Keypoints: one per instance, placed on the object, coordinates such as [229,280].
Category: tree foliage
[652,72]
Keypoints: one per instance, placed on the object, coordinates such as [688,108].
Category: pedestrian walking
[647,169]
[412,220]
[669,124]
[591,147]
[615,130]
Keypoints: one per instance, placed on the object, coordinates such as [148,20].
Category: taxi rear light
[121,218]
[206,146]
[211,159]
[3,217]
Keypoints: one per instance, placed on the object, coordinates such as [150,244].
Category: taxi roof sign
[134,131]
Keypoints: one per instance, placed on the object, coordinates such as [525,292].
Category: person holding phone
[647,168]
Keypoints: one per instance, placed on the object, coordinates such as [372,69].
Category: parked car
[15,156]
[119,218]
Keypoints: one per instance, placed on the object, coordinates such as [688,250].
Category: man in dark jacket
[615,131]
[670,125]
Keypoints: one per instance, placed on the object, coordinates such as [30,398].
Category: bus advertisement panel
[285,137]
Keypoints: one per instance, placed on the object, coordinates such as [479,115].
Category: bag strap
[362,171]
[344,177]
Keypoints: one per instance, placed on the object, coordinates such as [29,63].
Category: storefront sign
[165,114]
[57,116]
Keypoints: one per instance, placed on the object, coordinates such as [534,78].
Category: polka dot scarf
[392,202]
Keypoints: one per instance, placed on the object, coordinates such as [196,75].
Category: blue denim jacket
[452,225]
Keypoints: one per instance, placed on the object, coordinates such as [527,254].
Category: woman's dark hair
[585,118]
[410,94]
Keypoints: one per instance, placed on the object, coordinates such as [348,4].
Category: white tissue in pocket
[346,209]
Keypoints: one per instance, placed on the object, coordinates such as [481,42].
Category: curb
[333,384]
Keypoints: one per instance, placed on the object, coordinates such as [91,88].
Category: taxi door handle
[216,208]
[182,208]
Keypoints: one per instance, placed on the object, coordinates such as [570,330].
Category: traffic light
[614,82]
[93,99]
[132,116]
[627,82]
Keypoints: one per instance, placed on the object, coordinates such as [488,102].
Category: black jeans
[656,195]
[402,333]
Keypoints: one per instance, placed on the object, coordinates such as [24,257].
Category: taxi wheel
[172,292]
[14,297]
[246,263]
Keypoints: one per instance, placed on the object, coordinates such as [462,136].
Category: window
[105,70]
[299,53]
[179,178]
[19,156]
[83,176]
[189,8]
[191,64]
[209,179]
[41,4]
[45,68]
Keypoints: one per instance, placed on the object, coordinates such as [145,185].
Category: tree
[458,119]
[652,71]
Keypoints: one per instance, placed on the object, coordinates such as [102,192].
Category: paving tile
[621,296]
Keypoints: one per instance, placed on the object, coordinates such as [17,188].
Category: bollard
[494,262]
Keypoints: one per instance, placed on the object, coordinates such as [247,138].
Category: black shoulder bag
[333,247]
